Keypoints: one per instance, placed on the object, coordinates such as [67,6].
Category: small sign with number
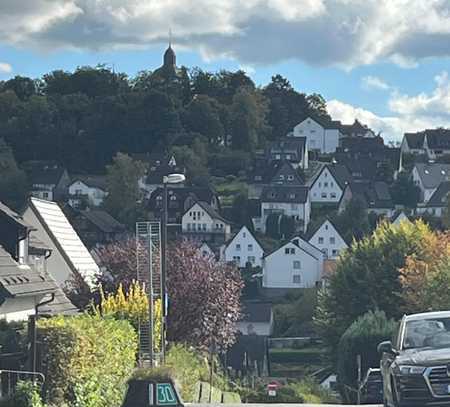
[166,395]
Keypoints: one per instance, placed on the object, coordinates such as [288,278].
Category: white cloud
[320,32]
[409,113]
[5,68]
[373,82]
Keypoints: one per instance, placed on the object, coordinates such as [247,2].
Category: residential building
[322,134]
[438,203]
[180,199]
[428,177]
[327,238]
[206,251]
[433,143]
[399,218]
[254,212]
[48,179]
[296,264]
[329,184]
[70,258]
[243,248]
[292,201]
[202,222]
[264,173]
[357,130]
[96,227]
[257,319]
[375,197]
[291,149]
[24,278]
[87,190]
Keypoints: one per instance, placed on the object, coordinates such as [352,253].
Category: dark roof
[44,172]
[103,220]
[209,210]
[267,173]
[312,230]
[324,121]
[13,216]
[362,144]
[356,128]
[256,312]
[285,193]
[339,172]
[372,194]
[22,280]
[440,196]
[415,140]
[93,181]
[438,139]
[433,174]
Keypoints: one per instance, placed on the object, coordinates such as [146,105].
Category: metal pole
[359,364]
[163,274]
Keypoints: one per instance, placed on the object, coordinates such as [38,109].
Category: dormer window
[292,196]
[258,178]
[290,177]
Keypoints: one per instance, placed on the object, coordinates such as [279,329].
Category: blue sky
[385,62]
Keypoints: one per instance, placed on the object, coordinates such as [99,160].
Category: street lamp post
[168,179]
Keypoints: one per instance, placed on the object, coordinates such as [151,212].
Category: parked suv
[416,365]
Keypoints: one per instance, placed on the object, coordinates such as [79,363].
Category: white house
[70,257]
[321,134]
[90,189]
[206,251]
[292,201]
[400,218]
[329,184]
[243,248]
[257,319]
[202,219]
[437,204]
[296,264]
[328,239]
[433,143]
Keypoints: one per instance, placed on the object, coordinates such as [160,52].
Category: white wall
[96,196]
[318,138]
[244,248]
[279,268]
[425,193]
[197,219]
[328,240]
[56,264]
[325,188]
[299,211]
[19,309]
[43,192]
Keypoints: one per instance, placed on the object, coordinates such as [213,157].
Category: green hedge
[88,360]
[361,338]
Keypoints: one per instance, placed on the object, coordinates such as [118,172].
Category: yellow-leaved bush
[87,359]
[131,305]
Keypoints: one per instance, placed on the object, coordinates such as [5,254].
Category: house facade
[327,238]
[291,201]
[202,222]
[87,191]
[437,204]
[328,185]
[296,264]
[291,149]
[243,249]
[434,143]
[321,134]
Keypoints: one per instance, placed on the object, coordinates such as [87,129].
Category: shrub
[87,360]
[27,395]
[361,338]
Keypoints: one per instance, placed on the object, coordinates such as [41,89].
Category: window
[244,234]
[324,194]
[173,198]
[312,131]
[78,192]
[331,184]
[333,195]
[281,176]
[326,227]
[277,156]
[258,178]
[238,247]
[251,259]
[288,156]
[290,177]
[188,226]
[335,252]
[297,279]
[320,185]
[204,226]
[332,240]
[45,194]
[289,250]
[297,264]
[320,240]
[237,259]
[250,247]
[325,184]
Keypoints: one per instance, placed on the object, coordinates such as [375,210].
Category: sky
[384,62]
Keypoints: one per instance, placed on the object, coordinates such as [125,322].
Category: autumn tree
[204,299]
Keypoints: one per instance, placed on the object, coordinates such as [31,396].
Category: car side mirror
[386,347]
